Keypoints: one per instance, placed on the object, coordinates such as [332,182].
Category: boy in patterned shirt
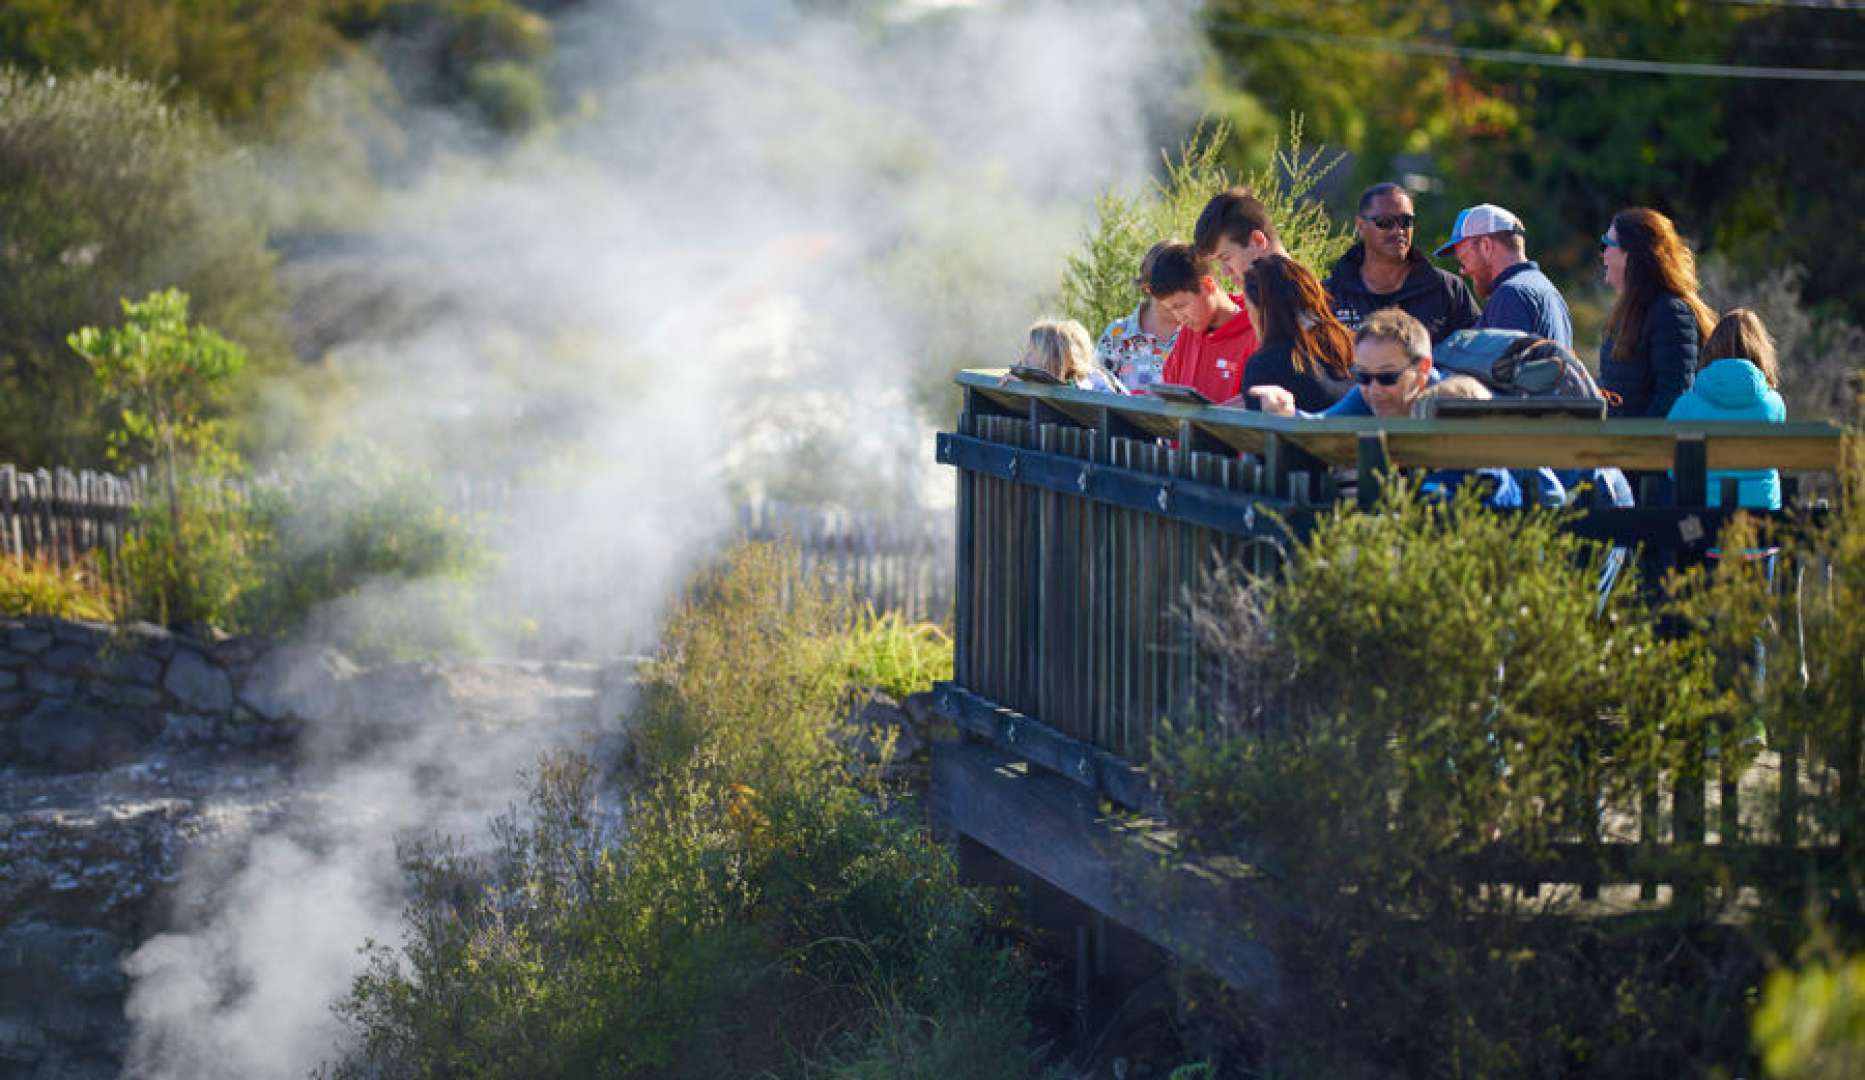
[1134,349]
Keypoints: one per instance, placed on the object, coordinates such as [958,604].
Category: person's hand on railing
[1274,400]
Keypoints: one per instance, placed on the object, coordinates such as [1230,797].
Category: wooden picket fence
[895,561]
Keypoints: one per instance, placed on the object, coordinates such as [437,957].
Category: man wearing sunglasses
[1385,269]
[1490,247]
[1391,367]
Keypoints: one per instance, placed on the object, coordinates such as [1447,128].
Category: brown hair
[1741,333]
[1234,213]
[1063,347]
[1295,308]
[1657,263]
[1143,280]
[1397,326]
[1176,269]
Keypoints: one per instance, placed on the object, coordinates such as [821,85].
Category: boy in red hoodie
[1215,335]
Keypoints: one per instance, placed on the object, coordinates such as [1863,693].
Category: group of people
[1359,343]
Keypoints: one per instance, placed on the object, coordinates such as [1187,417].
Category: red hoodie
[1211,361]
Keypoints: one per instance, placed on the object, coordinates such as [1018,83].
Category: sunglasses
[1390,221]
[1606,241]
[1383,378]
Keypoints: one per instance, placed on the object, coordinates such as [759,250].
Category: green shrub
[1811,1023]
[168,379]
[756,917]
[1097,286]
[351,520]
[1430,684]
[510,96]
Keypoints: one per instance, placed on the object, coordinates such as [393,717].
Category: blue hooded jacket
[1736,390]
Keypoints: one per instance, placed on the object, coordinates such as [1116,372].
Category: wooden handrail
[1441,443]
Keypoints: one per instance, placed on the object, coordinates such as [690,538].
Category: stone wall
[84,695]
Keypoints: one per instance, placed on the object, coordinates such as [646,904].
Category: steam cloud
[747,262]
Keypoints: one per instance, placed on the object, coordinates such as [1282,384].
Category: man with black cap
[1490,247]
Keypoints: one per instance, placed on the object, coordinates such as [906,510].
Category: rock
[305,683]
[31,641]
[74,736]
[82,961]
[187,729]
[149,638]
[11,659]
[128,666]
[47,684]
[68,659]
[8,679]
[13,700]
[873,720]
[198,685]
[134,697]
[81,633]
[922,709]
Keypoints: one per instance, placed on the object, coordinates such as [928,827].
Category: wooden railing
[1085,521]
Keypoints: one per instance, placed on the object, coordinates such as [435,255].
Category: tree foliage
[1097,285]
[112,191]
[1762,168]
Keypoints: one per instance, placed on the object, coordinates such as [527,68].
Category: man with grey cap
[1489,244]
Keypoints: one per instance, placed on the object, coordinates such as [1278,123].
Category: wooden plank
[1054,830]
[1105,772]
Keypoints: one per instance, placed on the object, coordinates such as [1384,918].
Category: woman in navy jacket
[1649,356]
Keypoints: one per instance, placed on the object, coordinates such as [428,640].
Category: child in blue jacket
[1738,382]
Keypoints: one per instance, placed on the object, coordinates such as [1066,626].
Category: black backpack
[1514,364]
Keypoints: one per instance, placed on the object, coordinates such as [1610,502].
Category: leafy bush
[1432,686]
[756,917]
[37,586]
[350,521]
[113,191]
[186,560]
[1097,286]
[511,96]
[1811,1024]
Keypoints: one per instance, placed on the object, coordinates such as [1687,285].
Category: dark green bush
[1433,684]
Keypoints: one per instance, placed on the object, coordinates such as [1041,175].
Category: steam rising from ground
[748,262]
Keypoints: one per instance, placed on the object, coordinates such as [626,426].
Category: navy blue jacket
[1662,365]
[1439,300]
[1522,298]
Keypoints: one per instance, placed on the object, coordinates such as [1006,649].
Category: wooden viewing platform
[1084,518]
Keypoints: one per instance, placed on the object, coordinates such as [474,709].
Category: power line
[1550,60]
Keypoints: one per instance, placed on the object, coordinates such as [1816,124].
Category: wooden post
[1372,462]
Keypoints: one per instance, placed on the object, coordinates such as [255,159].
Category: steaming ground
[746,262]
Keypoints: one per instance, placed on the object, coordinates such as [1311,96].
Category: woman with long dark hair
[1305,349]
[1658,325]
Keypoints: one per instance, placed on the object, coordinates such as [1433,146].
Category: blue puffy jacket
[1736,390]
